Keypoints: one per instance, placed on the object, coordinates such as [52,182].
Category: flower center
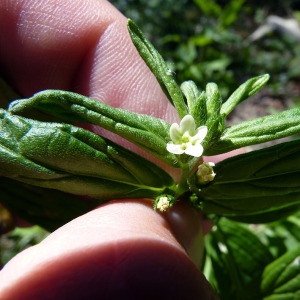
[185,138]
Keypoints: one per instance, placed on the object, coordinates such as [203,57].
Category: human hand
[123,249]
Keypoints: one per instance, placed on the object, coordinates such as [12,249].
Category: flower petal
[188,124]
[175,149]
[194,150]
[175,133]
[201,133]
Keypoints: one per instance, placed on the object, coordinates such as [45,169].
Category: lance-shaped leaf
[261,181]
[267,217]
[158,67]
[258,131]
[196,102]
[149,133]
[73,160]
[215,125]
[281,277]
[191,93]
[271,161]
[214,100]
[247,89]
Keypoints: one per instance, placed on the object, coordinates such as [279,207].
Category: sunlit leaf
[74,160]
[147,132]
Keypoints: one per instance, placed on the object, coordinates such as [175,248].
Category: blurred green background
[209,40]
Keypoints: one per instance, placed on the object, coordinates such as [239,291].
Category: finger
[82,46]
[220,157]
[45,42]
[122,250]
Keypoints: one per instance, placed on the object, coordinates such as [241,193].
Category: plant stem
[186,170]
[182,186]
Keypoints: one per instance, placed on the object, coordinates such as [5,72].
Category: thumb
[120,250]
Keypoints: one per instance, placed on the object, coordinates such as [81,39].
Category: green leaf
[200,112]
[238,258]
[74,160]
[279,159]
[215,125]
[254,183]
[280,236]
[258,131]
[281,277]
[149,133]
[157,65]
[214,99]
[267,217]
[191,93]
[249,88]
[196,102]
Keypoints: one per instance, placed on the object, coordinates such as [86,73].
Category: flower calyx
[186,138]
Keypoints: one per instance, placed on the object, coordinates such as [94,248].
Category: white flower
[205,172]
[186,138]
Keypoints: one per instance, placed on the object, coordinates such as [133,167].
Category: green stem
[195,161]
[182,186]
[186,170]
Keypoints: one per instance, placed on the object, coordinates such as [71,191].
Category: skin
[124,248]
